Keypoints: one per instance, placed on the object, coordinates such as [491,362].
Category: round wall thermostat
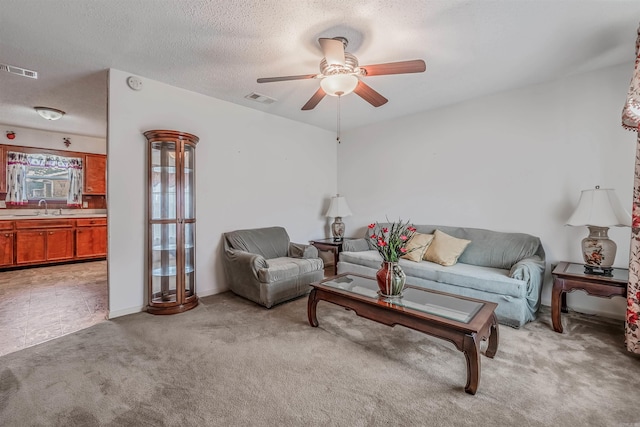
[134,83]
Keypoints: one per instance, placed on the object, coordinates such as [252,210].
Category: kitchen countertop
[26,214]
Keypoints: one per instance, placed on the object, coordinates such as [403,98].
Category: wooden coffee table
[465,322]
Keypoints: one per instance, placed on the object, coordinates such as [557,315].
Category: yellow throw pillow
[445,249]
[418,246]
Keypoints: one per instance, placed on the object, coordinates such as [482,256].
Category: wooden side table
[568,277]
[331,246]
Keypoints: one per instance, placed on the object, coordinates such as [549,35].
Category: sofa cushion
[285,268]
[487,279]
[417,246]
[445,249]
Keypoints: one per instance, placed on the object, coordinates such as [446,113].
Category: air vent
[19,71]
[258,97]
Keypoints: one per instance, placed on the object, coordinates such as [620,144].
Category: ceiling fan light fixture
[339,84]
[49,113]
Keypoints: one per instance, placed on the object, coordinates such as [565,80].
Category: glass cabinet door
[164,263]
[189,258]
[163,180]
[189,196]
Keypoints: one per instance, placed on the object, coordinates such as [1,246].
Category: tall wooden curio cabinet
[172,221]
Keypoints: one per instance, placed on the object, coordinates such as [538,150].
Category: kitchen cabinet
[91,238]
[31,247]
[172,221]
[3,172]
[95,179]
[43,241]
[7,236]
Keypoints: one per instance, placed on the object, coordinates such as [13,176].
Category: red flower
[412,229]
[385,230]
[632,317]
[372,226]
[373,236]
[382,242]
[403,250]
[403,238]
[638,296]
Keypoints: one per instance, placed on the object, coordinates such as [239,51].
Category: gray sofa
[263,266]
[505,268]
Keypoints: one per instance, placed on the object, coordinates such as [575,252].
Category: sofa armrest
[299,250]
[355,245]
[531,271]
[243,265]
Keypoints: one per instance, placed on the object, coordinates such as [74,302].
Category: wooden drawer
[6,225]
[90,222]
[43,223]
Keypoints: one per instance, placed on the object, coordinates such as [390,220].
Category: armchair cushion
[284,268]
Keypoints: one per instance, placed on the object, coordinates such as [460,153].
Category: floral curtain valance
[631,121]
[43,160]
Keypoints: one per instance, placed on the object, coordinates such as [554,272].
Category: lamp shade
[339,84]
[338,207]
[601,208]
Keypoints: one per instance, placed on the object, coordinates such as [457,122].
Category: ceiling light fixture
[339,84]
[49,113]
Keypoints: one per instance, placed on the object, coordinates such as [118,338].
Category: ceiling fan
[340,74]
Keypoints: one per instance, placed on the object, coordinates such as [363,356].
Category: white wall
[26,137]
[253,169]
[514,161]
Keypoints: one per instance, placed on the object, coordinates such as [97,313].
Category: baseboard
[124,312]
[209,292]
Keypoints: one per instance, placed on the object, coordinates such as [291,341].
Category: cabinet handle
[51,232]
[6,235]
[40,233]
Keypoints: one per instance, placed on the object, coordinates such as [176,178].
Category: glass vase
[391,279]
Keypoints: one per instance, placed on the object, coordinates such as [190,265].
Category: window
[43,176]
[47,182]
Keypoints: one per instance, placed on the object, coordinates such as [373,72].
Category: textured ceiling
[220,48]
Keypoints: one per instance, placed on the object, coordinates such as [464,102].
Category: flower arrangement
[391,240]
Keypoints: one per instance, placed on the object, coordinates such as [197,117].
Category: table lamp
[338,209]
[599,209]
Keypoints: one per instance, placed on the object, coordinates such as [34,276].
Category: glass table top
[617,273]
[446,306]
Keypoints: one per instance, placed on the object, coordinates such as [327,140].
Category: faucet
[46,209]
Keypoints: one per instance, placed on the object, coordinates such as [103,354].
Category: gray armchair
[263,266]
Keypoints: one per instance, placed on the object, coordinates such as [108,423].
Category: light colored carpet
[231,362]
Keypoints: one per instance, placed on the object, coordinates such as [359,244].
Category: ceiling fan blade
[315,99]
[402,67]
[368,94]
[333,51]
[284,78]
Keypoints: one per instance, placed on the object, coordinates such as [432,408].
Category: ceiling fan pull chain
[338,136]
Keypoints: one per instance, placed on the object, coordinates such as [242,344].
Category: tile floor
[39,304]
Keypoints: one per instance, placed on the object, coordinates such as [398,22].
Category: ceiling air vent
[19,71]
[258,97]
